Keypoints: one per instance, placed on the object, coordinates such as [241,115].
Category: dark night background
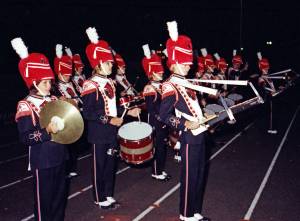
[220,26]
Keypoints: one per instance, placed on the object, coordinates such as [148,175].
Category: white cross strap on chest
[226,82]
[197,131]
[187,84]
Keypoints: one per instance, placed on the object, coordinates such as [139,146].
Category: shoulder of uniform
[149,90]
[88,87]
[112,81]
[23,109]
[168,89]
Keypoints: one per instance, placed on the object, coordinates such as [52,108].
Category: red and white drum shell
[173,138]
[136,142]
[125,100]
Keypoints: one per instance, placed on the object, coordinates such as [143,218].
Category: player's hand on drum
[63,98]
[134,112]
[203,102]
[52,128]
[116,121]
[191,125]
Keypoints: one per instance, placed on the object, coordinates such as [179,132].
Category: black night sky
[219,26]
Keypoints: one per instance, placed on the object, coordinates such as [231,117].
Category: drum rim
[135,141]
[141,162]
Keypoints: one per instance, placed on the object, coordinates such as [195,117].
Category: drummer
[188,113]
[209,102]
[127,88]
[100,110]
[236,72]
[152,93]
[221,67]
[263,80]
[46,158]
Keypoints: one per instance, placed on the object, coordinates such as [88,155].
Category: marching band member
[100,110]
[264,66]
[152,93]
[188,113]
[209,64]
[174,135]
[221,66]
[200,68]
[63,68]
[121,77]
[78,77]
[46,158]
[209,101]
[66,90]
[236,71]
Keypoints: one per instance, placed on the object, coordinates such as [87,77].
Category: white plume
[234,52]
[92,34]
[173,31]
[203,52]
[69,52]
[217,56]
[59,51]
[165,52]
[259,55]
[147,52]
[19,46]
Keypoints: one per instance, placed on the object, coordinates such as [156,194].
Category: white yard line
[78,192]
[268,173]
[14,158]
[28,177]
[8,144]
[176,187]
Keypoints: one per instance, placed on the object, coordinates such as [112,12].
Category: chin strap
[39,90]
[103,69]
[63,78]
[180,69]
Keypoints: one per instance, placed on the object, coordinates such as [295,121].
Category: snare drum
[213,109]
[136,143]
[235,97]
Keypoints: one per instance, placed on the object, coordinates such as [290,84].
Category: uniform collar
[62,82]
[178,76]
[39,96]
[101,76]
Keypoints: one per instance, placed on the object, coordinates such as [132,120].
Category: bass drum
[136,142]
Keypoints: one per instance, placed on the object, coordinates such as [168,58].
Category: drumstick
[124,112]
[139,117]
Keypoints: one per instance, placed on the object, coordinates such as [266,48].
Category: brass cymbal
[73,122]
